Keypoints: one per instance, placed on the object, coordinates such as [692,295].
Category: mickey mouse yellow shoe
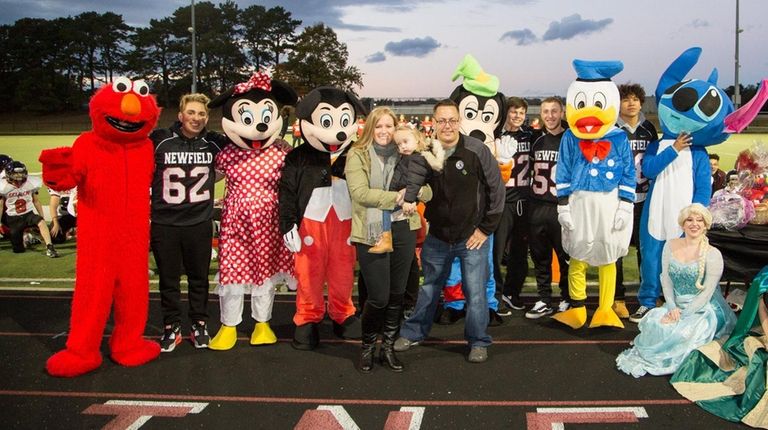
[263,334]
[225,339]
[574,318]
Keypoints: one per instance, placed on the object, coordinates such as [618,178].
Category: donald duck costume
[595,188]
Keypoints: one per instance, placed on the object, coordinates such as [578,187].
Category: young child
[19,194]
[410,173]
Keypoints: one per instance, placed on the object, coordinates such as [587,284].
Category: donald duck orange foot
[225,339]
[574,318]
[263,334]
[605,317]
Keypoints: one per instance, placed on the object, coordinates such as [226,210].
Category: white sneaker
[539,310]
[563,306]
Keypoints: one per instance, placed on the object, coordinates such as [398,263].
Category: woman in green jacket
[375,184]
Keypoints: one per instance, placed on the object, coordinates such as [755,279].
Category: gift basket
[752,182]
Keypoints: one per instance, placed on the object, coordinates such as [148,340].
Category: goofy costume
[595,189]
[482,108]
[252,257]
[316,214]
[111,166]
[679,178]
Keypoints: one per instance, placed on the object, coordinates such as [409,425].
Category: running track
[539,376]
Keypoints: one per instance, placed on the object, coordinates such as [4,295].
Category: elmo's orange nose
[130,104]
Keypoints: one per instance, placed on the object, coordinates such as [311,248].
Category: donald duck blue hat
[596,70]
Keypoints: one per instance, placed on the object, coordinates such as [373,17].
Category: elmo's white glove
[623,216]
[292,240]
[564,216]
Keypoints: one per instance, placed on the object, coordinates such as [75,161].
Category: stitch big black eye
[710,103]
[684,99]
[674,88]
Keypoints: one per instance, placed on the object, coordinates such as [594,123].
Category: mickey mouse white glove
[564,216]
[623,216]
[292,240]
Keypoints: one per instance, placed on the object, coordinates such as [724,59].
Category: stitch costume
[679,178]
[251,255]
[111,166]
[316,214]
[595,189]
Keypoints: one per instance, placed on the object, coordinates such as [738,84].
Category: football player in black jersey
[182,210]
[514,146]
[545,233]
[640,133]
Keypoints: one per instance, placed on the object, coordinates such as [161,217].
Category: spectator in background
[18,192]
[718,176]
[61,207]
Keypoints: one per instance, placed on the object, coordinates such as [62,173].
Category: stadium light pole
[194,51]
[736,90]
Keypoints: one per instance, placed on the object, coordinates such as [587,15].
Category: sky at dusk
[410,48]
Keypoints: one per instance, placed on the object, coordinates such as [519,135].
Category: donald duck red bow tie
[591,149]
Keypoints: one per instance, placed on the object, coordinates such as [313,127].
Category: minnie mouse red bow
[591,149]
[258,80]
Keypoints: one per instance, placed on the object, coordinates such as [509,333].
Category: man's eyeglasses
[444,122]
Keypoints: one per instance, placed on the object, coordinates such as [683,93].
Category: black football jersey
[544,154]
[519,185]
[644,134]
[183,183]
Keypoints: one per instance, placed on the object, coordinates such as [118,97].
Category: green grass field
[34,264]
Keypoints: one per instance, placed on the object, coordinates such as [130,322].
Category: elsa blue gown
[659,349]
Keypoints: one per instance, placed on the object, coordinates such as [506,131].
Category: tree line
[55,65]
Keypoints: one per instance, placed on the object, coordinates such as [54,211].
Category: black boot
[389,333]
[371,325]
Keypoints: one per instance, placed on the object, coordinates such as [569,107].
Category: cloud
[572,26]
[698,23]
[376,58]
[522,37]
[418,47]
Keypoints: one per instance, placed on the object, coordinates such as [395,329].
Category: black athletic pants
[512,236]
[544,237]
[187,249]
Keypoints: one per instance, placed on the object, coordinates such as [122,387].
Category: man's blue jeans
[436,258]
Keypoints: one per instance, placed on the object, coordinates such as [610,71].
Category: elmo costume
[111,166]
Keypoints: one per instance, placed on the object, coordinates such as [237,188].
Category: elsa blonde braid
[703,248]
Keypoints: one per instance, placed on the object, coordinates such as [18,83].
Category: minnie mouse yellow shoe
[263,334]
[225,339]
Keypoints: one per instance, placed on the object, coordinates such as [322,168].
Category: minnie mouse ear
[221,99]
